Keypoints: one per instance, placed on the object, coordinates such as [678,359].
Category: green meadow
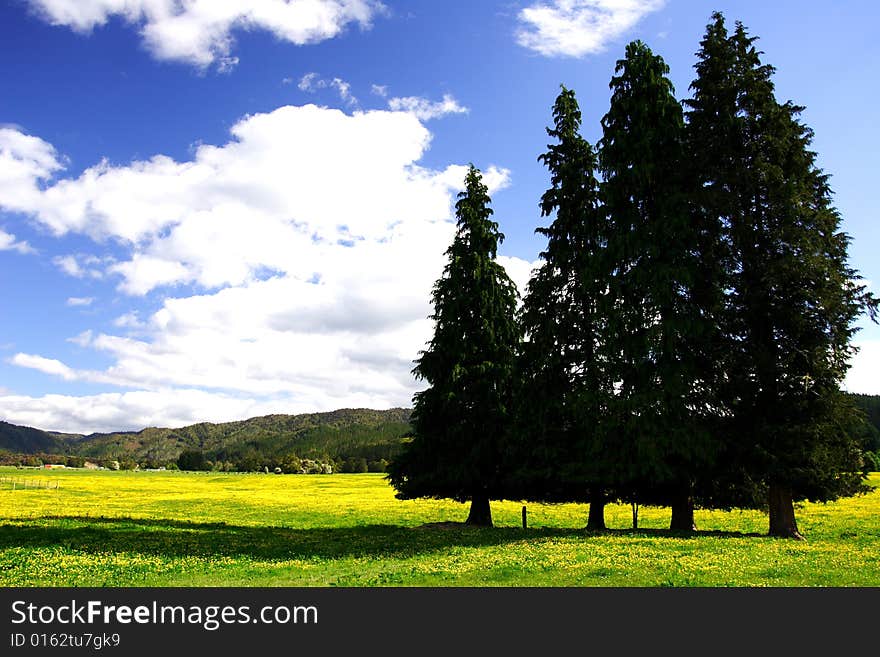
[101,528]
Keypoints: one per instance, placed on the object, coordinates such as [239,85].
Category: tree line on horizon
[345,440]
[684,340]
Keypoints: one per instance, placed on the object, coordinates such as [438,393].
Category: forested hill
[341,434]
[27,440]
[871,405]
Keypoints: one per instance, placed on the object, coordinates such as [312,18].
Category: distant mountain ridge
[344,433]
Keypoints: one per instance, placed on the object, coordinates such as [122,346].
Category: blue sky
[210,211]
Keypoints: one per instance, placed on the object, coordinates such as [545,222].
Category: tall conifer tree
[461,421]
[792,298]
[658,330]
[713,154]
[564,393]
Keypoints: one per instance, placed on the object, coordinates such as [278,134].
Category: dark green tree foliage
[27,439]
[869,431]
[657,330]
[793,299]
[563,395]
[461,421]
[870,405]
[715,157]
[192,460]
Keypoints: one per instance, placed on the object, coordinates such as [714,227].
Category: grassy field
[182,529]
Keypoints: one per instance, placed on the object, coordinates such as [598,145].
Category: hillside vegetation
[338,436]
[27,440]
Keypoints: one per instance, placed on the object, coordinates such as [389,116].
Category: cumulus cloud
[574,28]
[314,238]
[200,32]
[248,205]
[862,375]
[424,109]
[292,187]
[8,242]
[520,271]
[25,163]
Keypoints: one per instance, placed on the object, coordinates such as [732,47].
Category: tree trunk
[480,514]
[596,519]
[782,520]
[683,512]
[635,510]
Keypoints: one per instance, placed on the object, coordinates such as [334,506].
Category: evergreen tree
[563,398]
[461,421]
[660,322]
[793,300]
[714,156]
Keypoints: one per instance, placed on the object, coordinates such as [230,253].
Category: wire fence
[23,483]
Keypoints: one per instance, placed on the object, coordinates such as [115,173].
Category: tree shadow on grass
[674,533]
[176,538]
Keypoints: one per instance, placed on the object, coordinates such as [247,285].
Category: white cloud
[424,109]
[8,242]
[574,28]
[344,89]
[80,301]
[134,410]
[81,265]
[279,197]
[144,272]
[308,82]
[520,271]
[380,90]
[129,320]
[46,365]
[200,32]
[311,83]
[862,376]
[83,339]
[315,237]
[25,163]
